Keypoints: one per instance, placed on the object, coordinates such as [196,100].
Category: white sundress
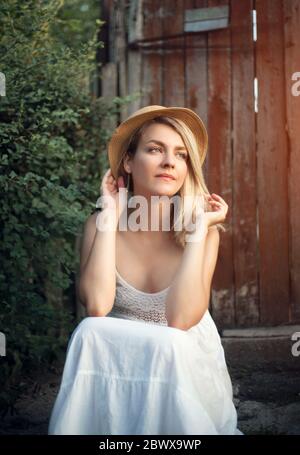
[129,373]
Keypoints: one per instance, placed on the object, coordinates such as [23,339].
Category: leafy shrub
[52,136]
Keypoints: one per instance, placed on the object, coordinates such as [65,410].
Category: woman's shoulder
[89,226]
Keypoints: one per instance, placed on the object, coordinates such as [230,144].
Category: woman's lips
[164,177]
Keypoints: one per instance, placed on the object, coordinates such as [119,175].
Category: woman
[148,359]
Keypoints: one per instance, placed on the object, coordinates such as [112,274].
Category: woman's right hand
[110,189]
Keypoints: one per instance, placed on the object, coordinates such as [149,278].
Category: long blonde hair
[194,183]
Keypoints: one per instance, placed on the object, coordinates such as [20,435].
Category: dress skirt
[131,377]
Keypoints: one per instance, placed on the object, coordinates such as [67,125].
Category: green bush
[53,135]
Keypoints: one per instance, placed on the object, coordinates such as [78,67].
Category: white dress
[130,374]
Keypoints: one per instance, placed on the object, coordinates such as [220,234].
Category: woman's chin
[163,192]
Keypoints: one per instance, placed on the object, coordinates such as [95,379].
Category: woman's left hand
[217,210]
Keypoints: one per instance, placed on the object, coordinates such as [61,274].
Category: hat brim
[123,133]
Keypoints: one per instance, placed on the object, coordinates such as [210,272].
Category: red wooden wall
[253,160]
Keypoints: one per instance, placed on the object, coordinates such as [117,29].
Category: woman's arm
[188,297]
[97,284]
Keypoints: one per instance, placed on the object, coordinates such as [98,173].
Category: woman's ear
[126,164]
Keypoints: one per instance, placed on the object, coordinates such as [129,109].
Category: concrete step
[262,347]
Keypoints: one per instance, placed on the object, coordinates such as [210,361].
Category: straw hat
[121,137]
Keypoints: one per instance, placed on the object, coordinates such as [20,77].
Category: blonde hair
[194,184]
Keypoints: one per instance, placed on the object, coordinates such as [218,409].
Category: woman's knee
[168,338]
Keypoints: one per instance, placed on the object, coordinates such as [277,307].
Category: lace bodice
[130,303]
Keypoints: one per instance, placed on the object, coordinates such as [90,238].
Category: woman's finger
[219,198]
[216,203]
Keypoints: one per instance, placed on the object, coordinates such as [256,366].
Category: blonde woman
[148,359]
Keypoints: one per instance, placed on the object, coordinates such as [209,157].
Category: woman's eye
[182,155]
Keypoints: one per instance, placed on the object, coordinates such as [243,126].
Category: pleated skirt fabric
[129,377]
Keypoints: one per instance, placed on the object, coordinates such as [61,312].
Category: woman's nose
[168,158]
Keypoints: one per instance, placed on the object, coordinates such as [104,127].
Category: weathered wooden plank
[173,58]
[109,81]
[199,13]
[109,77]
[244,166]
[205,19]
[110,91]
[220,165]
[196,72]
[119,12]
[152,58]
[292,65]
[272,165]
[134,56]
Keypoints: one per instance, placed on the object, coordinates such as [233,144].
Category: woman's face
[160,150]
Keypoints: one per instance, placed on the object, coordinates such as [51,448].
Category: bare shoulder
[89,228]
[89,231]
